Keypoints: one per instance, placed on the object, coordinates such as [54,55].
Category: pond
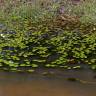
[54,84]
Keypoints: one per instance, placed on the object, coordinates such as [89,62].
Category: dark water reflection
[23,84]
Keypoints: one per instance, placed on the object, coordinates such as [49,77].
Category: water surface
[36,84]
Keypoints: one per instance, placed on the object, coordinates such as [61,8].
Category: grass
[86,11]
[38,10]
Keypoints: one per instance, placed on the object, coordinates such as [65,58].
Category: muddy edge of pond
[79,76]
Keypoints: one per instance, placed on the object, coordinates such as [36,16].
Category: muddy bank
[42,84]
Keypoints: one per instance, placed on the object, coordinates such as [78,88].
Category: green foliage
[35,44]
[41,49]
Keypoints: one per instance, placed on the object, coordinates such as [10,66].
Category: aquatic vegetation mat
[44,48]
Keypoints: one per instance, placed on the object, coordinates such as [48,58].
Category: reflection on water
[23,84]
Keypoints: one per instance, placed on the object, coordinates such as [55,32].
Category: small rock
[72,79]
[2,26]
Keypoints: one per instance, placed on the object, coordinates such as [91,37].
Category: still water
[36,84]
